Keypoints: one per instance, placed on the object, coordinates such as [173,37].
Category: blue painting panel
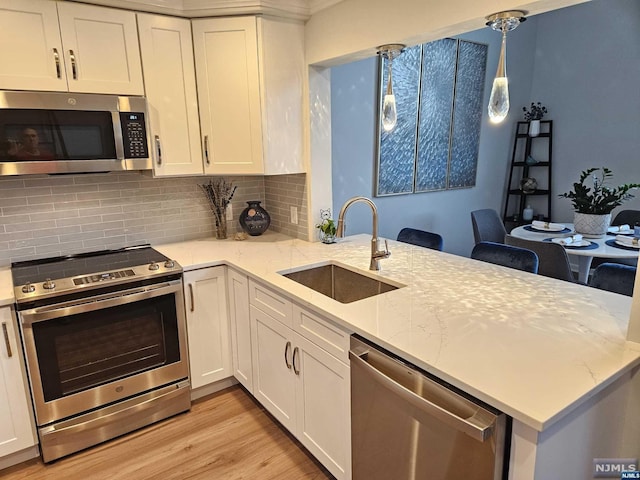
[436,105]
[396,150]
[467,114]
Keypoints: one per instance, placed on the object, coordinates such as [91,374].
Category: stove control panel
[101,277]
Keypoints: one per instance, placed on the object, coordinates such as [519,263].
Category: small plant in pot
[533,115]
[593,203]
[327,228]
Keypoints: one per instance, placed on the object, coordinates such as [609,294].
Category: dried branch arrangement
[219,192]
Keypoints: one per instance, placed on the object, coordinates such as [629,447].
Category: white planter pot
[534,128]
[592,226]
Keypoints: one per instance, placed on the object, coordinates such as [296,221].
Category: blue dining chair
[421,238]
[628,217]
[506,255]
[553,259]
[487,226]
[614,277]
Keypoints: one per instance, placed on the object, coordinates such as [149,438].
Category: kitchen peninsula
[552,355]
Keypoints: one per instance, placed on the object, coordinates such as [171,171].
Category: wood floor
[225,436]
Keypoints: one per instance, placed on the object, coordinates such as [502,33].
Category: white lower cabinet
[303,386]
[207,325]
[16,427]
[274,380]
[238,290]
[323,407]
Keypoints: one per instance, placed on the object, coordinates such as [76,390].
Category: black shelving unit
[539,148]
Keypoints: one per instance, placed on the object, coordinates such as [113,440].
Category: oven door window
[55,135]
[82,351]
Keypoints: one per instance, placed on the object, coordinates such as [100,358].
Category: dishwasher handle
[479,426]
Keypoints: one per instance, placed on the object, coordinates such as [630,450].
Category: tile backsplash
[42,216]
[281,193]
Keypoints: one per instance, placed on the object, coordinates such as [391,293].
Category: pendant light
[389,111]
[499,101]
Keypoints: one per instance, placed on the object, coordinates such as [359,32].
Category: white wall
[352,29]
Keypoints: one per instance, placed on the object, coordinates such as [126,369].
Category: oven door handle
[49,312]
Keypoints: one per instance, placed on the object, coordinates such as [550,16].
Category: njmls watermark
[615,468]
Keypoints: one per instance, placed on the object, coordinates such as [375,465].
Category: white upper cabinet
[169,76]
[249,73]
[64,46]
[101,49]
[31,53]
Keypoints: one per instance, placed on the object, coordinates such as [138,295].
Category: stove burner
[48,277]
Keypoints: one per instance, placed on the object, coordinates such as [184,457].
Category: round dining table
[584,255]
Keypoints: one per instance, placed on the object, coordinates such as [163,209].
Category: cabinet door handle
[6,339]
[74,70]
[56,57]
[158,149]
[286,356]
[296,370]
[193,305]
[206,149]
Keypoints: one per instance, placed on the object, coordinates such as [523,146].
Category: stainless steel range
[104,335]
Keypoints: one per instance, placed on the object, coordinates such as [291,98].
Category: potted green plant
[533,115]
[593,203]
[327,228]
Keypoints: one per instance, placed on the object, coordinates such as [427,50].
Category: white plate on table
[581,243]
[555,228]
[628,245]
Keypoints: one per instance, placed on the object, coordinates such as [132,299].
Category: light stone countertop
[531,346]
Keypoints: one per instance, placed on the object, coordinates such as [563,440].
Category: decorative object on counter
[593,206]
[240,236]
[536,112]
[254,219]
[327,227]
[528,185]
[219,192]
[499,101]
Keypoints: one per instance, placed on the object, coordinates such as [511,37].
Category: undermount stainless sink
[340,283]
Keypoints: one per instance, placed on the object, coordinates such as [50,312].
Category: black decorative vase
[254,219]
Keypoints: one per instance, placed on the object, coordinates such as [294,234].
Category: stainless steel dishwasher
[406,425]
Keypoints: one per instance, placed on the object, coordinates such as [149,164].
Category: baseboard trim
[19,457]
[212,388]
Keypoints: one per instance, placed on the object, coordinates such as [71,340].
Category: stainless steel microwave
[49,133]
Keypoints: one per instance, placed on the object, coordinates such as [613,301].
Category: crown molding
[294,9]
